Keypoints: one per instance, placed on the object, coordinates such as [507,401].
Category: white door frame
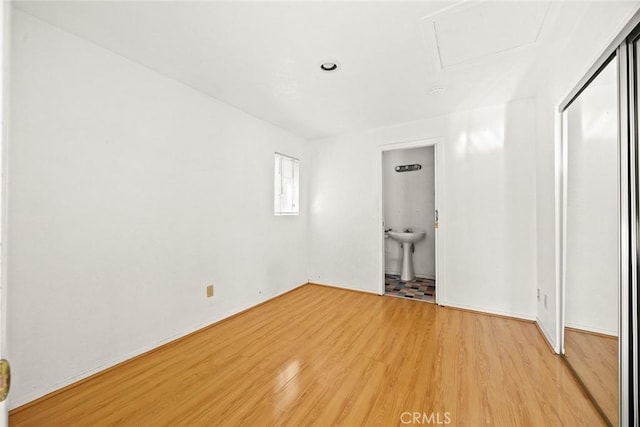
[438,163]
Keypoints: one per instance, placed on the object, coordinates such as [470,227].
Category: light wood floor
[323,356]
[594,357]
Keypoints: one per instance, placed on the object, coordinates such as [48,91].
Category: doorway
[409,212]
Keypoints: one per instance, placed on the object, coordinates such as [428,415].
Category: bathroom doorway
[411,220]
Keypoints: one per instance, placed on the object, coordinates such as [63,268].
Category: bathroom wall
[129,193]
[487,208]
[409,202]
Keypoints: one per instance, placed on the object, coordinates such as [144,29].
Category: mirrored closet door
[600,229]
[591,238]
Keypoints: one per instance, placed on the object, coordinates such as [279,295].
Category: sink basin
[406,237]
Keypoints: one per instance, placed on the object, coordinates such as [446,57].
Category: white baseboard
[347,288]
[486,310]
[547,336]
[593,329]
[15,403]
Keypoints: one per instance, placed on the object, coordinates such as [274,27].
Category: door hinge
[5,379]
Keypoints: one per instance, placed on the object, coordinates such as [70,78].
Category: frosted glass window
[286,185]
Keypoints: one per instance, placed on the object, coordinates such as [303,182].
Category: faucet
[408,230]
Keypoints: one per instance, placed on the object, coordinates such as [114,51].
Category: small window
[285,201]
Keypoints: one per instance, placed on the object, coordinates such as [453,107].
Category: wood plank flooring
[323,356]
[594,357]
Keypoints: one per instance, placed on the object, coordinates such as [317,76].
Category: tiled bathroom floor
[418,289]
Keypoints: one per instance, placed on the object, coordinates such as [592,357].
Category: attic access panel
[467,33]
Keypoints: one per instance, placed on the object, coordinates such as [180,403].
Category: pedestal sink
[407,239]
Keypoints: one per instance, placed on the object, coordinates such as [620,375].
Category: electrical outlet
[209,291]
[545,301]
[538,294]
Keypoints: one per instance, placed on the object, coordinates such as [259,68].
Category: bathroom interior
[409,209]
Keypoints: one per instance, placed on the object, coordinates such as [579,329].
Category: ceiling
[264,57]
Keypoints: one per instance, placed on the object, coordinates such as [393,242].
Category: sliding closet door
[592,236]
[630,300]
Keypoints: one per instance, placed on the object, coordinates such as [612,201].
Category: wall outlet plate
[209,291]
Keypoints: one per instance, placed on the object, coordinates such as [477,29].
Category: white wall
[129,192]
[487,208]
[569,62]
[409,202]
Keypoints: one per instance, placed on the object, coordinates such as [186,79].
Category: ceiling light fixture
[329,66]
